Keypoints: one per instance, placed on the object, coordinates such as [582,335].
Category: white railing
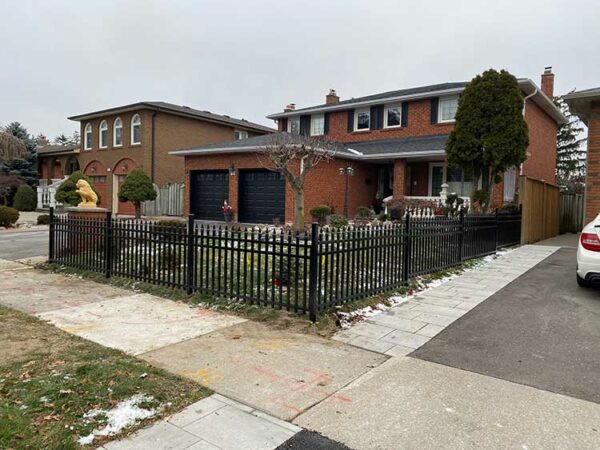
[46,194]
[428,211]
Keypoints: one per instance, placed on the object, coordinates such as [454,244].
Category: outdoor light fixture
[231,170]
[347,172]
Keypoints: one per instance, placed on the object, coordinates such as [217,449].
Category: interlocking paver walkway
[408,326]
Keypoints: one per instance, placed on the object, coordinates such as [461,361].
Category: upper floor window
[294,125]
[447,109]
[136,129]
[317,124]
[103,134]
[362,119]
[240,134]
[392,116]
[87,137]
[118,132]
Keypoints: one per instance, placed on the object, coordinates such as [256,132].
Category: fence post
[313,258]
[461,238]
[51,236]
[190,255]
[108,244]
[497,227]
[406,262]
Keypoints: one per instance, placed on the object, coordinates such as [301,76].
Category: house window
[459,181]
[103,136]
[136,129]
[118,132]
[238,135]
[87,137]
[447,109]
[294,125]
[362,120]
[393,116]
[317,125]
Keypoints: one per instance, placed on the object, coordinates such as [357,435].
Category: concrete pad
[161,436]
[275,371]
[37,291]
[138,323]
[413,404]
[10,265]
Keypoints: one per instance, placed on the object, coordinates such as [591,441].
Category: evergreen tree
[137,188]
[571,152]
[26,165]
[490,133]
[61,139]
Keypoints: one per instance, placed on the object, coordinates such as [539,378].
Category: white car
[588,254]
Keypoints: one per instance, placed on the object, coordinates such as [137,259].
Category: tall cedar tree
[571,152]
[67,191]
[24,166]
[490,131]
[137,188]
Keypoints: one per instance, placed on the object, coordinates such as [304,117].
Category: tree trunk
[299,210]
[138,210]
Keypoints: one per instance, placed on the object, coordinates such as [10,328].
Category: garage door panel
[209,190]
[262,196]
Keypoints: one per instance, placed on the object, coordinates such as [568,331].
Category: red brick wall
[324,185]
[399,178]
[541,154]
[592,189]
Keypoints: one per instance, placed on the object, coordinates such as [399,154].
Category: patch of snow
[123,415]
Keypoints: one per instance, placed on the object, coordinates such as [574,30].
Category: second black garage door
[208,190]
[262,196]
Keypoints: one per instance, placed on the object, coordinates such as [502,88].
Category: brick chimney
[548,82]
[332,97]
[290,107]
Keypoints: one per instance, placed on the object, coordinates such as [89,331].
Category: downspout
[152,153]
[527,97]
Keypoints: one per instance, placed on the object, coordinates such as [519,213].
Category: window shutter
[380,109]
[404,119]
[434,109]
[284,124]
[305,125]
[326,123]
[350,121]
[373,118]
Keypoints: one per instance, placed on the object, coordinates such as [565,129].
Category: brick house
[586,105]
[393,141]
[117,140]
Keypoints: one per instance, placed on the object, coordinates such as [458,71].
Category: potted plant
[227,212]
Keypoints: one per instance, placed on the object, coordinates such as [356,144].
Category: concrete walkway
[408,326]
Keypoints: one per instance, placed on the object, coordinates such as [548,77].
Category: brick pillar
[399,178]
[592,185]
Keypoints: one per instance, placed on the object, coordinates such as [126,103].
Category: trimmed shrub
[137,188]
[25,199]
[319,213]
[43,219]
[362,212]
[382,217]
[8,216]
[337,221]
[66,192]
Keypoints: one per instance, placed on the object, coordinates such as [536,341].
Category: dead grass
[50,379]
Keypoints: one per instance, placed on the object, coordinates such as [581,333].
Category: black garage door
[209,189]
[262,196]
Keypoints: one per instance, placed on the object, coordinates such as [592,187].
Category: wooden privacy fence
[541,204]
[169,201]
[571,213]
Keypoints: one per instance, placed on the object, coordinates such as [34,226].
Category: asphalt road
[542,330]
[23,244]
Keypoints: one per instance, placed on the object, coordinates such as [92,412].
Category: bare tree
[11,147]
[295,156]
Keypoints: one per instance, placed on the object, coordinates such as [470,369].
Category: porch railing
[46,193]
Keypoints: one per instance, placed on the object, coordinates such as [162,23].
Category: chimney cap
[290,107]
[332,92]
[548,69]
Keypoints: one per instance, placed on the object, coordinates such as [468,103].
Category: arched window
[118,132]
[136,129]
[87,137]
[103,134]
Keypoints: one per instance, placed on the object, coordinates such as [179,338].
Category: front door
[436,179]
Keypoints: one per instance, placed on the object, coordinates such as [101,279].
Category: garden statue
[87,194]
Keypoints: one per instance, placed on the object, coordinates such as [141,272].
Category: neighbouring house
[117,140]
[56,161]
[585,104]
[393,141]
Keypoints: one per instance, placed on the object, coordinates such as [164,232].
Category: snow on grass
[123,415]
[418,286]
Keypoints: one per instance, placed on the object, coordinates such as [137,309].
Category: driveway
[16,245]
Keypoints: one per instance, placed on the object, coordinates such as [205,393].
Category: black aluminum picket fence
[273,267]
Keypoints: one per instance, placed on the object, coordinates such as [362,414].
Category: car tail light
[590,241]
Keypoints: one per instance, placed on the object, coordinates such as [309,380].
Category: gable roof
[177,110]
[57,149]
[388,148]
[422,92]
[580,102]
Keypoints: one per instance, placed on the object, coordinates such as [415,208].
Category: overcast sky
[249,58]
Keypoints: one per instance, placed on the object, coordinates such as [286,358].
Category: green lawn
[49,380]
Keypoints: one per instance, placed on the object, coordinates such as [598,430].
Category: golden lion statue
[87,194]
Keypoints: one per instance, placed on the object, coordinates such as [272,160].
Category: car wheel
[582,282]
